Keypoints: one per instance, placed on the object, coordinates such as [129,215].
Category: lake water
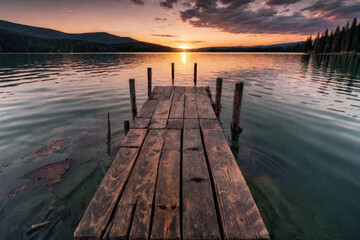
[299,150]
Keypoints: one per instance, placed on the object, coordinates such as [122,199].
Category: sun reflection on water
[184,57]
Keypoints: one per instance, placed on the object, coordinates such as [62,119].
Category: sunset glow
[187,24]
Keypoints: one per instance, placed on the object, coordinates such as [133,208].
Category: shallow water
[299,150]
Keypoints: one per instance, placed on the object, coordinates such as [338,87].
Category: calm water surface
[299,151]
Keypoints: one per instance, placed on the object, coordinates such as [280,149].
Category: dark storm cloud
[235,19]
[164,35]
[334,9]
[281,2]
[168,3]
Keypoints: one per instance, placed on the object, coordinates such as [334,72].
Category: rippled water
[299,151]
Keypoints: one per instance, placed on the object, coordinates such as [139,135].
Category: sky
[187,23]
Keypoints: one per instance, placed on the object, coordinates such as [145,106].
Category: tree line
[20,43]
[344,40]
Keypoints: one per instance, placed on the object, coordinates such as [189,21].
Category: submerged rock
[45,175]
[47,150]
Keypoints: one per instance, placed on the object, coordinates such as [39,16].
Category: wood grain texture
[191,123]
[140,123]
[177,109]
[162,109]
[167,93]
[191,109]
[205,110]
[134,138]
[178,94]
[210,124]
[239,214]
[95,220]
[134,208]
[175,124]
[156,92]
[158,123]
[166,222]
[199,215]
[148,109]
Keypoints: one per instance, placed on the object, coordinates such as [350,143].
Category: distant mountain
[97,37]
[282,47]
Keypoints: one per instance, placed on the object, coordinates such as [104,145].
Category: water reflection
[184,57]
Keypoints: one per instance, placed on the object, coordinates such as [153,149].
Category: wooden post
[195,73]
[149,81]
[133,98]
[173,73]
[126,126]
[219,82]
[109,129]
[238,93]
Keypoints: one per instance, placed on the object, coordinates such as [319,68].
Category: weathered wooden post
[219,82]
[149,81]
[195,73]
[109,129]
[173,73]
[238,93]
[126,126]
[133,98]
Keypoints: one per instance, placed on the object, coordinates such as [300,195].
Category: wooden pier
[174,177]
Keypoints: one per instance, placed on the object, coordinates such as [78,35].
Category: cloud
[164,35]
[280,2]
[168,3]
[334,9]
[236,16]
[191,42]
[138,2]
[161,19]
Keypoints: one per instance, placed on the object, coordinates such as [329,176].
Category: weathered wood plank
[134,208]
[175,124]
[210,124]
[239,214]
[177,109]
[191,110]
[95,220]
[140,123]
[156,92]
[205,110]
[191,123]
[158,123]
[199,215]
[134,138]
[166,222]
[162,109]
[167,93]
[179,94]
[148,109]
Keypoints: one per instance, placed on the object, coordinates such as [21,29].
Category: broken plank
[95,220]
[134,208]
[199,215]
[239,214]
[166,222]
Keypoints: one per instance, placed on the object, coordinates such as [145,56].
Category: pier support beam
[108,137]
[149,80]
[173,73]
[195,74]
[126,126]
[219,82]
[238,93]
[133,98]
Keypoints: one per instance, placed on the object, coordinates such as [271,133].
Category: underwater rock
[45,175]
[47,150]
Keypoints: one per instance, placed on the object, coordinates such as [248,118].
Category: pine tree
[356,39]
[337,40]
[308,45]
[345,36]
[351,33]
[317,43]
[328,42]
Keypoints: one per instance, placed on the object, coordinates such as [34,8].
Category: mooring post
[126,126]
[109,129]
[195,73]
[149,81]
[238,93]
[133,98]
[172,73]
[219,82]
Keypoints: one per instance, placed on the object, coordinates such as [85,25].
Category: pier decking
[174,177]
